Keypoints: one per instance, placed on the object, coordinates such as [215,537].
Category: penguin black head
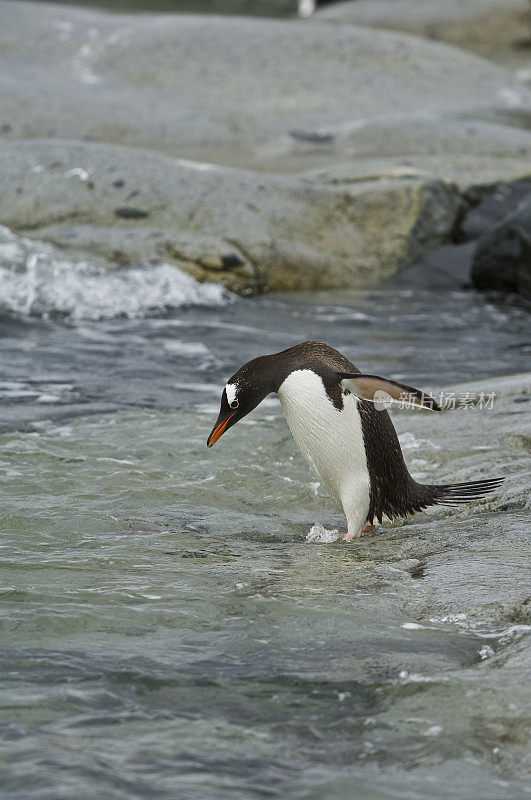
[242,393]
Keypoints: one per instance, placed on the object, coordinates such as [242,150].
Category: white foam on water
[485,652]
[320,535]
[412,677]
[505,635]
[48,398]
[435,730]
[37,279]
[449,618]
[42,391]
[185,349]
[409,441]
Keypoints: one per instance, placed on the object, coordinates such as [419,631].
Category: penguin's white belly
[331,440]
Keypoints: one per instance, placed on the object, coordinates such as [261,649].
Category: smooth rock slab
[291,233]
[474,151]
[486,26]
[468,173]
[244,92]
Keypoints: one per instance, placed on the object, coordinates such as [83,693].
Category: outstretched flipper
[377,389]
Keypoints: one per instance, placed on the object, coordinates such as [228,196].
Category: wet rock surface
[390,663]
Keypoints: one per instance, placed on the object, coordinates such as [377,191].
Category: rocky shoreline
[263,154]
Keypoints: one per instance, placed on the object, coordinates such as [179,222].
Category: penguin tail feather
[422,495]
[453,494]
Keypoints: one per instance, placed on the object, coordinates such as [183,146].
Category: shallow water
[166,630]
[53,368]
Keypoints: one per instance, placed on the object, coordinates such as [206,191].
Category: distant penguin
[346,436]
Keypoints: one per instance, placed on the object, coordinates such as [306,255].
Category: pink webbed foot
[366,529]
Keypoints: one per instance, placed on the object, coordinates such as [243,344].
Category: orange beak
[219,430]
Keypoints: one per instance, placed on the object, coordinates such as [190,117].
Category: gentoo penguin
[347,438]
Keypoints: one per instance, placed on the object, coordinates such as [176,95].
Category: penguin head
[242,393]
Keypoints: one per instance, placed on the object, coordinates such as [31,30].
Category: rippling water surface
[166,630]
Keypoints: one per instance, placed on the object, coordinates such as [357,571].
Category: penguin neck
[266,374]
[272,370]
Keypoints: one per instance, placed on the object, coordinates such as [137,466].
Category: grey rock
[290,232]
[445,268]
[279,95]
[465,151]
[489,27]
[478,177]
[449,266]
[502,260]
[489,208]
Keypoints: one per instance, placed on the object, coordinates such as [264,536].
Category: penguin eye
[234,404]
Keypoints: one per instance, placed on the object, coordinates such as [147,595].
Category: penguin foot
[368,529]
[348,537]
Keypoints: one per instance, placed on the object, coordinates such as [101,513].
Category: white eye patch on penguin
[337,417]
[231,390]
